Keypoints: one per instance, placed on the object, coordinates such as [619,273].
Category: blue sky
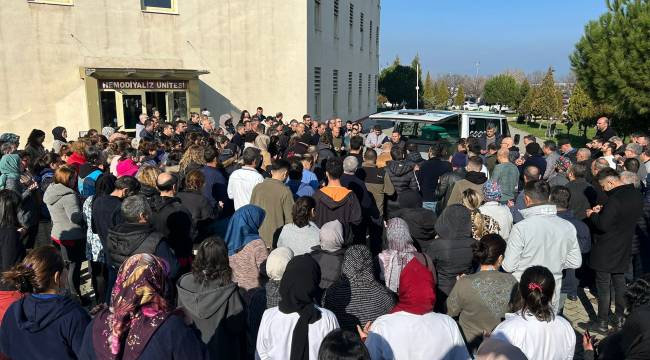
[451,35]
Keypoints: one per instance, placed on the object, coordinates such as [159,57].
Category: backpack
[86,185]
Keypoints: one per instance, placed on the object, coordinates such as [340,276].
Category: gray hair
[615,139]
[628,177]
[135,206]
[211,121]
[634,147]
[584,152]
[350,164]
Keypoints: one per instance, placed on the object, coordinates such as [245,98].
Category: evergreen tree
[547,102]
[581,108]
[459,99]
[429,92]
[396,61]
[524,89]
[397,84]
[441,96]
[611,61]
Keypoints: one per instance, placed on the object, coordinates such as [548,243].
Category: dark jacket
[536,160]
[583,197]
[151,194]
[402,176]
[605,135]
[430,171]
[43,327]
[614,229]
[422,224]
[104,215]
[446,185]
[337,204]
[202,213]
[125,240]
[174,222]
[451,252]
[330,265]
[172,340]
[483,141]
[218,312]
[11,248]
[582,230]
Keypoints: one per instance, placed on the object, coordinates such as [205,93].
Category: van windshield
[447,129]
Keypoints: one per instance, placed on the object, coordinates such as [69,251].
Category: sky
[452,35]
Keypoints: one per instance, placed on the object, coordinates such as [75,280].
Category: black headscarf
[410,199]
[57,132]
[298,289]
[454,223]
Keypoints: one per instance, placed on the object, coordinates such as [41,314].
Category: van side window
[477,126]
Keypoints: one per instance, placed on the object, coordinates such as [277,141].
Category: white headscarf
[277,262]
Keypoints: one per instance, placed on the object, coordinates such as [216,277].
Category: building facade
[91,63]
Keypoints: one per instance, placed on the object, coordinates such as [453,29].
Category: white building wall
[331,52]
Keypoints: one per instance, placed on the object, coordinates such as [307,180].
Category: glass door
[132,107]
[156,100]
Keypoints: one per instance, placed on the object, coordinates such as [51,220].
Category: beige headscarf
[277,262]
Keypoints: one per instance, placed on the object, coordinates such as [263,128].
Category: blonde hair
[262,142]
[147,175]
[193,154]
[472,201]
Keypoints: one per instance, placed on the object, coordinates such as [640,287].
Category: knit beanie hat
[491,191]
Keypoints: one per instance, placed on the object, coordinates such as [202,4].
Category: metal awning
[149,74]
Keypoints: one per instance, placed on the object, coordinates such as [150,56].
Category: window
[317,24]
[477,126]
[317,91]
[361,30]
[160,6]
[336,19]
[350,92]
[351,24]
[335,92]
[52,2]
[446,129]
[369,81]
[360,91]
[370,38]
[377,40]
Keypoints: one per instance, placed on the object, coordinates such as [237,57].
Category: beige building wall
[257,52]
[337,43]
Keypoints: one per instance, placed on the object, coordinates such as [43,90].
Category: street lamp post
[417,86]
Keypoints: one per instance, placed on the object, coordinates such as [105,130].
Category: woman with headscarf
[295,329]
[211,299]
[329,254]
[276,265]
[262,143]
[10,171]
[141,322]
[399,252]
[451,251]
[357,297]
[246,250]
[60,135]
[412,330]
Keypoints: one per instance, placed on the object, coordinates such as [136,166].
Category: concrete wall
[255,51]
[331,53]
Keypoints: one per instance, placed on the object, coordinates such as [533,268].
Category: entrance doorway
[123,107]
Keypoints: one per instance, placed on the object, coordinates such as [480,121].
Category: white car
[470,106]
[484,108]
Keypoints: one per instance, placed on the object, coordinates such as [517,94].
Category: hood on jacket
[335,197]
[545,209]
[203,300]
[127,236]
[163,201]
[399,168]
[421,222]
[476,177]
[454,223]
[35,314]
[55,192]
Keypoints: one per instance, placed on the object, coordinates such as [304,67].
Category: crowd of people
[264,238]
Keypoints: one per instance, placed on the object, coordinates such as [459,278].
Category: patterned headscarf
[563,164]
[400,251]
[491,191]
[140,304]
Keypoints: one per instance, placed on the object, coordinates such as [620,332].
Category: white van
[424,127]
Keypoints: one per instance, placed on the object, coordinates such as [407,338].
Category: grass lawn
[577,141]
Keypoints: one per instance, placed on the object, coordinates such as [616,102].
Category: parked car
[470,106]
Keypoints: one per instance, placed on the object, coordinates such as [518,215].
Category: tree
[459,99]
[441,95]
[429,92]
[611,61]
[396,61]
[581,108]
[397,84]
[547,102]
[502,90]
[524,89]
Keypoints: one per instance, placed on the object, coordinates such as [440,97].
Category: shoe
[598,326]
[572,297]
[618,323]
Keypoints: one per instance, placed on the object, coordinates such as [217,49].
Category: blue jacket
[43,327]
[584,236]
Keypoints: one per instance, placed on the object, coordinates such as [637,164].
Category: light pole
[417,86]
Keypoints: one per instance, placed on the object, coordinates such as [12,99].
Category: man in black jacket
[136,236]
[402,175]
[173,220]
[614,224]
[430,172]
